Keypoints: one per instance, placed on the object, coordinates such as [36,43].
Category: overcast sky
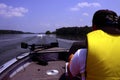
[43,15]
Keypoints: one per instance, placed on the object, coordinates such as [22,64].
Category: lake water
[14,36]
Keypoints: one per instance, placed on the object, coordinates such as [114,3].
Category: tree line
[13,32]
[73,30]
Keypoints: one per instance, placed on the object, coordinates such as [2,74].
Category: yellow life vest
[103,58]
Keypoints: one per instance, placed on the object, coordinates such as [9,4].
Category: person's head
[104,18]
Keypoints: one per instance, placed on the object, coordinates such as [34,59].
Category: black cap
[103,18]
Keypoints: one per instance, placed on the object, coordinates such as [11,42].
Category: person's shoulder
[81,52]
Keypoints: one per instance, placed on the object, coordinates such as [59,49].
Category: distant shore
[13,32]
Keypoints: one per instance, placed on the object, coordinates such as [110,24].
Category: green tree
[48,32]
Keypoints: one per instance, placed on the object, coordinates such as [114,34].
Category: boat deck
[55,70]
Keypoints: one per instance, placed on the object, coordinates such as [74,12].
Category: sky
[48,15]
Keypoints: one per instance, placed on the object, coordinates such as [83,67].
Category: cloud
[85,4]
[81,20]
[9,11]
[85,14]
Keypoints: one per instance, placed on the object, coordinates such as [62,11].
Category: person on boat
[100,60]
